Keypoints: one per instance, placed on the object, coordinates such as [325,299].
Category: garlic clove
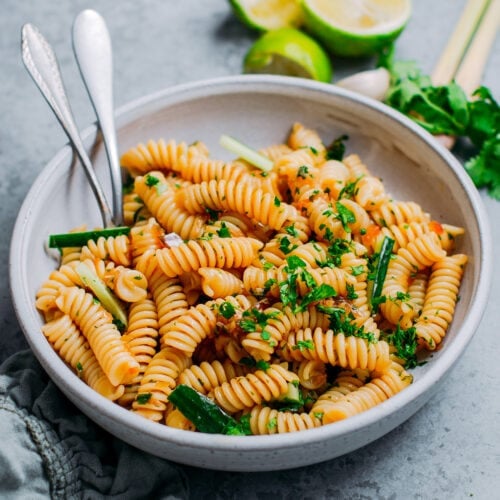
[373,83]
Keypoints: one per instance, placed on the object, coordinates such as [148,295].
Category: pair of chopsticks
[466,53]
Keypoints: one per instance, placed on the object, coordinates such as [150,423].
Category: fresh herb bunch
[447,110]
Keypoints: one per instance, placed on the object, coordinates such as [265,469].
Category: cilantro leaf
[336,150]
[323,291]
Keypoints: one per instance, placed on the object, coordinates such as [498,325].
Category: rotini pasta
[264,291]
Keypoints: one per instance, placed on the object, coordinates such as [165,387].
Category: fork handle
[40,61]
[92,48]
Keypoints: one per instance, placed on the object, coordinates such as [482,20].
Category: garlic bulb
[373,83]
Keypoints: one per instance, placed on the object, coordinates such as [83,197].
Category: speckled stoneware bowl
[258,110]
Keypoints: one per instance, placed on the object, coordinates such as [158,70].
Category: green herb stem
[79,239]
[247,153]
[381,265]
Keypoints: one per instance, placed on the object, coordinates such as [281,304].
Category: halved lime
[266,15]
[356,27]
[290,52]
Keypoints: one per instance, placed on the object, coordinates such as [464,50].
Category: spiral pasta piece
[378,390]
[398,213]
[370,193]
[154,155]
[311,373]
[336,349]
[259,281]
[188,331]
[199,168]
[357,169]
[206,376]
[159,197]
[197,324]
[116,249]
[346,382]
[417,255]
[440,300]
[239,197]
[302,137]
[217,283]
[288,165]
[148,236]
[253,389]
[142,331]
[275,151]
[174,418]
[218,252]
[103,337]
[262,343]
[130,285]
[158,381]
[324,220]
[314,254]
[74,349]
[265,420]
[168,293]
[65,276]
[134,210]
[332,178]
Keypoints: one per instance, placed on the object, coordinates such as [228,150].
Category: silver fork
[41,63]
[92,48]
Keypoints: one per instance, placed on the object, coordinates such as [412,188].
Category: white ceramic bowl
[259,110]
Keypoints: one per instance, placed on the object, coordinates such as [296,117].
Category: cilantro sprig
[296,271]
[405,342]
[446,109]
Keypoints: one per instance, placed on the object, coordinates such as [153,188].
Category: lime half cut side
[355,28]
[265,15]
[288,52]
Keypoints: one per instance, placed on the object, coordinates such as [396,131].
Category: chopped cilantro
[405,342]
[265,335]
[224,231]
[262,365]
[303,172]
[304,345]
[322,292]
[151,180]
[286,245]
[212,214]
[291,230]
[267,265]
[349,190]
[227,310]
[341,322]
[143,398]
[336,150]
[357,270]
[345,216]
[254,318]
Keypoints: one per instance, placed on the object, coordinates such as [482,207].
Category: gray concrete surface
[451,448]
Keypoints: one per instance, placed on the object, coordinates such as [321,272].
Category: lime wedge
[265,15]
[356,27]
[290,52]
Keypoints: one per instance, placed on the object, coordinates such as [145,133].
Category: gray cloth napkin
[49,449]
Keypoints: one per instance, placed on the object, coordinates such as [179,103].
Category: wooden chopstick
[458,42]
[470,71]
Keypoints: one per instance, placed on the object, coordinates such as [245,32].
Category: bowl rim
[113,412]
